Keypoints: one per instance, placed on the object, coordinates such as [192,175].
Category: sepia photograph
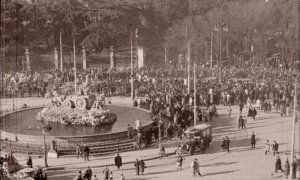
[150,90]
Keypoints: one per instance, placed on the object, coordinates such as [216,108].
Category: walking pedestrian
[267,147]
[161,150]
[195,166]
[287,169]
[88,173]
[229,110]
[78,151]
[254,113]
[79,177]
[118,161]
[253,140]
[111,177]
[227,143]
[106,173]
[142,166]
[240,120]
[223,144]
[137,167]
[130,131]
[122,177]
[278,165]
[86,152]
[179,162]
[29,162]
[275,148]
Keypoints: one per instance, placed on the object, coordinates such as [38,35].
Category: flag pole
[195,94]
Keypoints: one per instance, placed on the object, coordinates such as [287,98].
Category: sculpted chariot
[81,109]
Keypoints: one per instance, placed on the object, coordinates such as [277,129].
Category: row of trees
[96,25]
[270,27]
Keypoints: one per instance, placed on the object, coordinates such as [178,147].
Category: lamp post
[211,50]
[131,66]
[220,27]
[45,146]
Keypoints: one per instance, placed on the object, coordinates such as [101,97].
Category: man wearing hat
[195,165]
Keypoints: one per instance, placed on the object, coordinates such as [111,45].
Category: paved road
[241,163]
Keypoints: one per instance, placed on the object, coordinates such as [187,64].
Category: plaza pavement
[242,163]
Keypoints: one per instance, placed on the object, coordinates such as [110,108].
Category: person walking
[122,177]
[78,151]
[286,169]
[111,177]
[229,110]
[227,143]
[267,147]
[79,177]
[179,162]
[118,161]
[161,150]
[86,152]
[223,144]
[88,173]
[106,173]
[95,177]
[29,162]
[195,166]
[130,131]
[240,120]
[137,167]
[253,140]
[142,166]
[254,113]
[275,148]
[278,165]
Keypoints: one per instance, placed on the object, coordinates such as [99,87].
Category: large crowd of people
[164,91]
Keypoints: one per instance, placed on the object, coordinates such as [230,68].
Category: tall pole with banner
[61,52]
[83,58]
[75,70]
[189,64]
[211,50]
[131,67]
[56,59]
[195,94]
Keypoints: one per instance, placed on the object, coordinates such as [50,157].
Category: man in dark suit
[227,143]
[253,141]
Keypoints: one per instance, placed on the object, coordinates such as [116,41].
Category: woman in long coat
[278,165]
[286,169]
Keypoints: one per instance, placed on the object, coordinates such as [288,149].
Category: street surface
[242,162]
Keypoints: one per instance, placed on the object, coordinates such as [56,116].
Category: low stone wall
[39,140]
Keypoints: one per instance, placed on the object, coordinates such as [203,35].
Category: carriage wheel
[67,104]
[80,103]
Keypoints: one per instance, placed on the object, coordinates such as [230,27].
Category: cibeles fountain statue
[81,109]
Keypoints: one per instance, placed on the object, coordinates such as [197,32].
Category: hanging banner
[27,60]
[140,52]
[83,58]
[56,59]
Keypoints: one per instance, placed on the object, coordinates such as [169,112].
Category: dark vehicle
[197,138]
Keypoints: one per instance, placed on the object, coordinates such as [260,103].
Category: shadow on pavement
[161,172]
[218,164]
[217,173]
